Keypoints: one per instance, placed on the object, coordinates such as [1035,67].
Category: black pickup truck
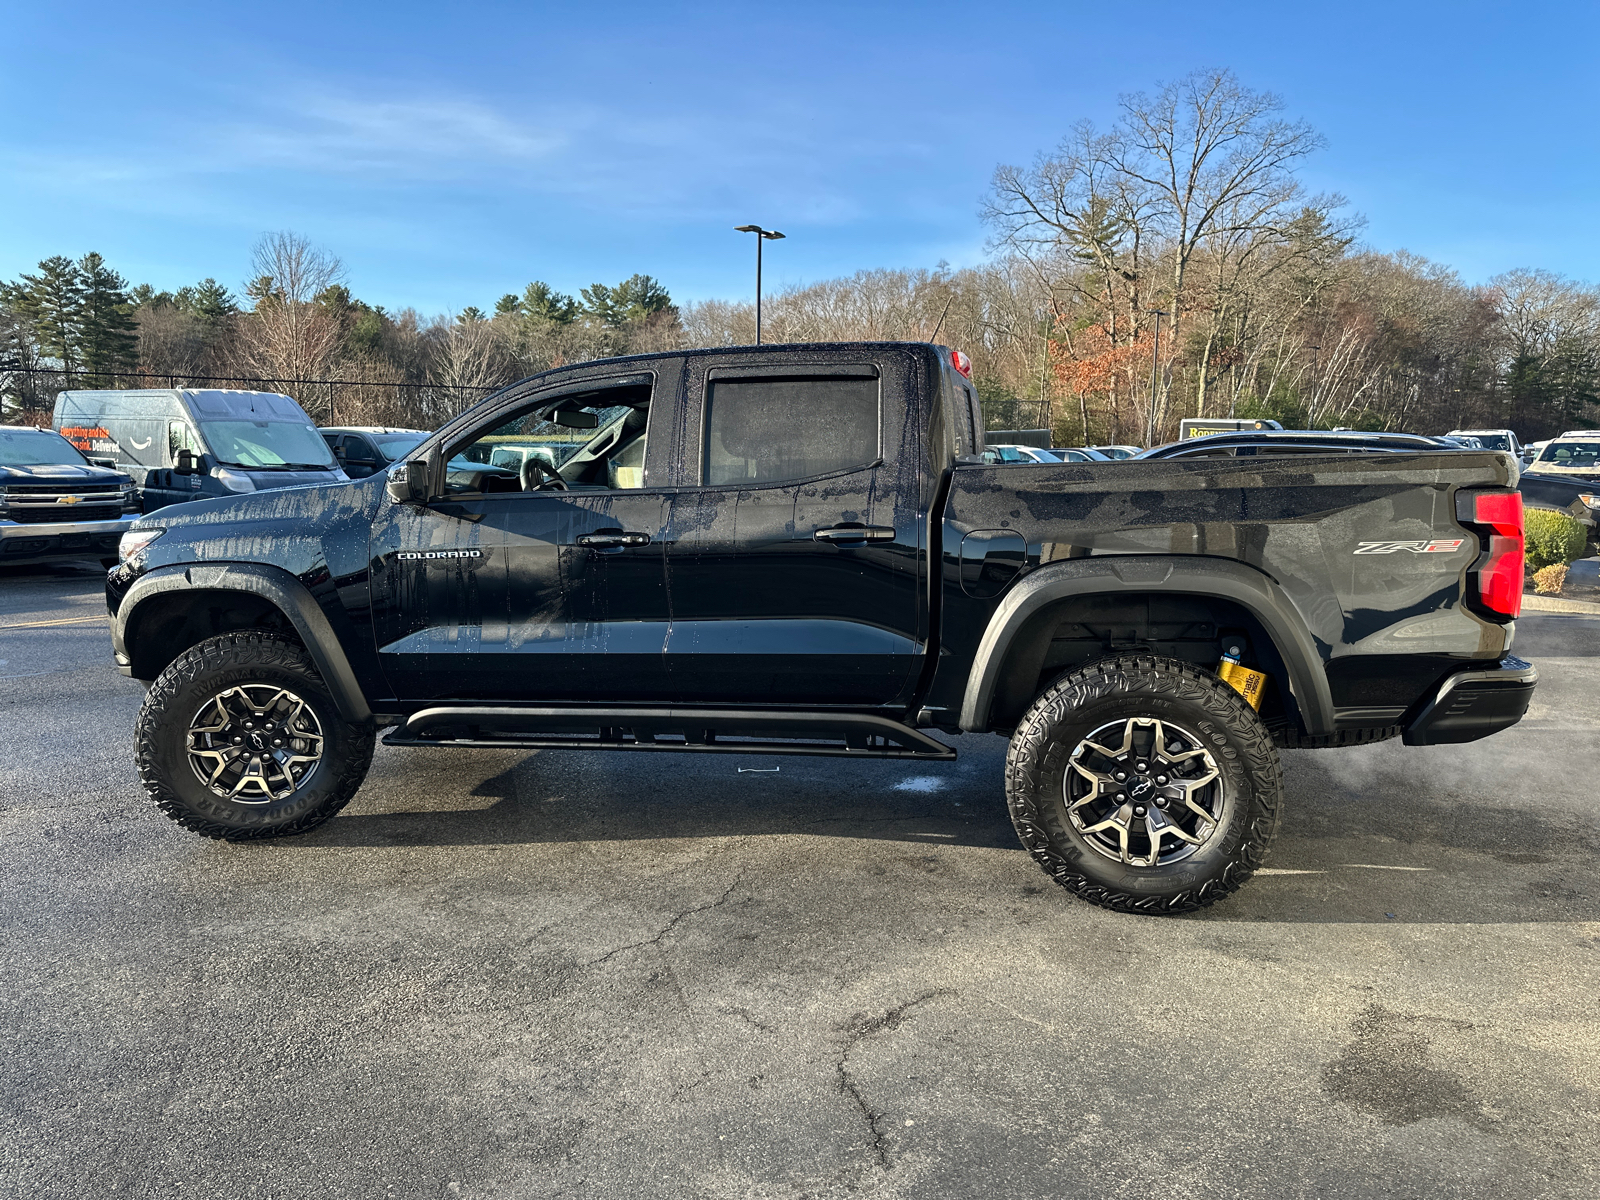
[798,550]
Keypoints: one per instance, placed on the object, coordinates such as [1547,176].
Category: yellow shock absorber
[1249,684]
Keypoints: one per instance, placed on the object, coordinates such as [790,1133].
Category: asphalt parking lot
[556,974]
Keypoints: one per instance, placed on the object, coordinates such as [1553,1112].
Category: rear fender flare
[1222,579]
[273,584]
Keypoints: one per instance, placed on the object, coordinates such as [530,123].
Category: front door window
[538,575]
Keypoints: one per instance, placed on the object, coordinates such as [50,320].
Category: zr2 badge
[1437,546]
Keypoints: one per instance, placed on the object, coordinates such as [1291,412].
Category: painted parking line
[101,619]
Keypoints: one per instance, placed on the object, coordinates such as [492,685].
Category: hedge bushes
[1552,537]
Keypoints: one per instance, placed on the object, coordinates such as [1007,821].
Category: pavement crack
[859,1028]
[669,926]
[750,1019]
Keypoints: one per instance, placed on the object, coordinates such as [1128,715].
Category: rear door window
[774,430]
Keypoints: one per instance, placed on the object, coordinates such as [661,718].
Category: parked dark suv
[55,503]
[366,450]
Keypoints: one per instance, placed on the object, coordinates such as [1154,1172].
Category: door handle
[611,539]
[854,533]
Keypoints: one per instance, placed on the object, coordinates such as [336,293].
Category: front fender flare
[1221,578]
[283,591]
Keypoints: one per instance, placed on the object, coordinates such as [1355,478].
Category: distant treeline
[1189,207]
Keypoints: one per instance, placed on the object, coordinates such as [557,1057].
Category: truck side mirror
[185,463]
[408,482]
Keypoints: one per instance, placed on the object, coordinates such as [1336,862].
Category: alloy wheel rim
[1143,792]
[255,744]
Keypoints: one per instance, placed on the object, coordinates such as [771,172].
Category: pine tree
[598,304]
[146,296]
[210,301]
[539,299]
[110,336]
[636,298]
[1573,374]
[639,297]
[51,302]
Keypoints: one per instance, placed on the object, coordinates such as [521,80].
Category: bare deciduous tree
[288,335]
[472,353]
[1204,167]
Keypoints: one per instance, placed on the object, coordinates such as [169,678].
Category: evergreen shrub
[1551,537]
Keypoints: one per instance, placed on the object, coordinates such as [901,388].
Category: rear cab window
[779,429]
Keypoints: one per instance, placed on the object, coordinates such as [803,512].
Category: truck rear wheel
[240,739]
[1144,785]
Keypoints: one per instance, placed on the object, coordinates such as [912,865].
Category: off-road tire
[1145,686]
[234,660]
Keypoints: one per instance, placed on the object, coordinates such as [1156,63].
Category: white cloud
[323,132]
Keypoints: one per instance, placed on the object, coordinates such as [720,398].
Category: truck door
[540,583]
[794,555]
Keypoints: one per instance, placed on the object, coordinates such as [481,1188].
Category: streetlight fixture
[1155,361]
[762,235]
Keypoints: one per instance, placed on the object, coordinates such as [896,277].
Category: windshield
[1571,454]
[32,448]
[267,445]
[1493,441]
[395,446]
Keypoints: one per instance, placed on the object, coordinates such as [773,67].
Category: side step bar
[719,731]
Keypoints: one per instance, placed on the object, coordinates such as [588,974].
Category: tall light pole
[1155,363]
[1316,363]
[762,235]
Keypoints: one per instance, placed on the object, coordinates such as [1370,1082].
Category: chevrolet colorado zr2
[800,550]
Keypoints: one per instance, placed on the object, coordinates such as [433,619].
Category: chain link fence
[28,394]
[1015,414]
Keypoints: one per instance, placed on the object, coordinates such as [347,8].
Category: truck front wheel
[239,739]
[1144,785]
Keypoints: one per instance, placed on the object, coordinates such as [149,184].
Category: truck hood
[295,509]
[59,473]
[1567,474]
[272,480]
[292,528]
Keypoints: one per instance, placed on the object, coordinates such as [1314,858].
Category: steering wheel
[538,476]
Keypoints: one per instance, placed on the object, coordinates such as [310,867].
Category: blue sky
[451,153]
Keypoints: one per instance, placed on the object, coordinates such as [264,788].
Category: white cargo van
[186,444]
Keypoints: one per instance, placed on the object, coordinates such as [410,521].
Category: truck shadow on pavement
[1382,839]
[574,796]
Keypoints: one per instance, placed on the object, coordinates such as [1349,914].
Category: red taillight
[961,363]
[1503,510]
[1500,578]
[1497,576]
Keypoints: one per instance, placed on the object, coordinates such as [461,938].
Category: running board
[718,731]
